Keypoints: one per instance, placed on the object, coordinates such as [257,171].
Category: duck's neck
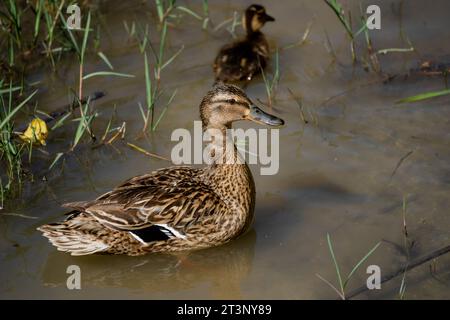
[259,42]
[221,148]
[254,36]
[229,175]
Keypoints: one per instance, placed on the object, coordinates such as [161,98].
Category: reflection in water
[335,172]
[224,268]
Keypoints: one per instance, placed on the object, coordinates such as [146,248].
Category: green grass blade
[58,156]
[105,60]
[37,20]
[7,90]
[172,58]
[266,83]
[205,7]
[164,110]
[142,111]
[190,12]
[159,118]
[85,38]
[360,262]
[162,42]
[83,125]
[78,133]
[386,51]
[331,286]
[222,24]
[144,36]
[362,29]
[60,122]
[424,96]
[148,84]
[205,23]
[107,73]
[330,247]
[160,9]
[402,290]
[276,76]
[72,38]
[337,9]
[13,112]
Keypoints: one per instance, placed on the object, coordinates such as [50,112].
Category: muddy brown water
[334,177]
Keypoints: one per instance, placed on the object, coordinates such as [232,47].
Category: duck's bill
[259,116]
[268,18]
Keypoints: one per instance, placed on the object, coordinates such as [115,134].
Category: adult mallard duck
[243,59]
[176,208]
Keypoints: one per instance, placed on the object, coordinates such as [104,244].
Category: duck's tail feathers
[68,236]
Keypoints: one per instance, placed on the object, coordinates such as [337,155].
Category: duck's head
[255,17]
[227,103]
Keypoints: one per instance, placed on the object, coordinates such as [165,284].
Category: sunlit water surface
[335,173]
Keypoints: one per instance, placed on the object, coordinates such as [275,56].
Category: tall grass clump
[87,115]
[168,14]
[80,50]
[11,149]
[153,85]
[346,22]
[32,31]
[343,281]
[270,83]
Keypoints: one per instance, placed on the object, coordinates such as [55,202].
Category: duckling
[243,59]
[176,208]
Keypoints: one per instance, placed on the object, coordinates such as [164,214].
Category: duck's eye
[231,101]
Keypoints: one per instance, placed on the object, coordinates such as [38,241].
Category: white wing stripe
[176,233]
[137,238]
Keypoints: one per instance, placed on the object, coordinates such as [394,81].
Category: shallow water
[335,175]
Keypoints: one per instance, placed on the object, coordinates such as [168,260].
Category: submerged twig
[302,40]
[403,269]
[135,147]
[298,100]
[66,109]
[331,286]
[399,163]
[17,215]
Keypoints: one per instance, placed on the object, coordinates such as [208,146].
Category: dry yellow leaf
[36,132]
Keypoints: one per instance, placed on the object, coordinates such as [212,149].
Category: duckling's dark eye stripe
[230,102]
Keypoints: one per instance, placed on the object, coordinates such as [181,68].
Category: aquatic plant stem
[80,83]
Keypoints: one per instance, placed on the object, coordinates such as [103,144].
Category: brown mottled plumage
[176,208]
[243,59]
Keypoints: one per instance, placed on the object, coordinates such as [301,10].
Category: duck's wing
[236,61]
[160,204]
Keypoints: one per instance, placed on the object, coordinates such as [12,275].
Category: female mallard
[243,59]
[176,208]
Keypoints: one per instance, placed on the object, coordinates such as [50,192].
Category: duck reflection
[223,268]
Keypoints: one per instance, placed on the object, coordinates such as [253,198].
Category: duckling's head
[227,103]
[255,17]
